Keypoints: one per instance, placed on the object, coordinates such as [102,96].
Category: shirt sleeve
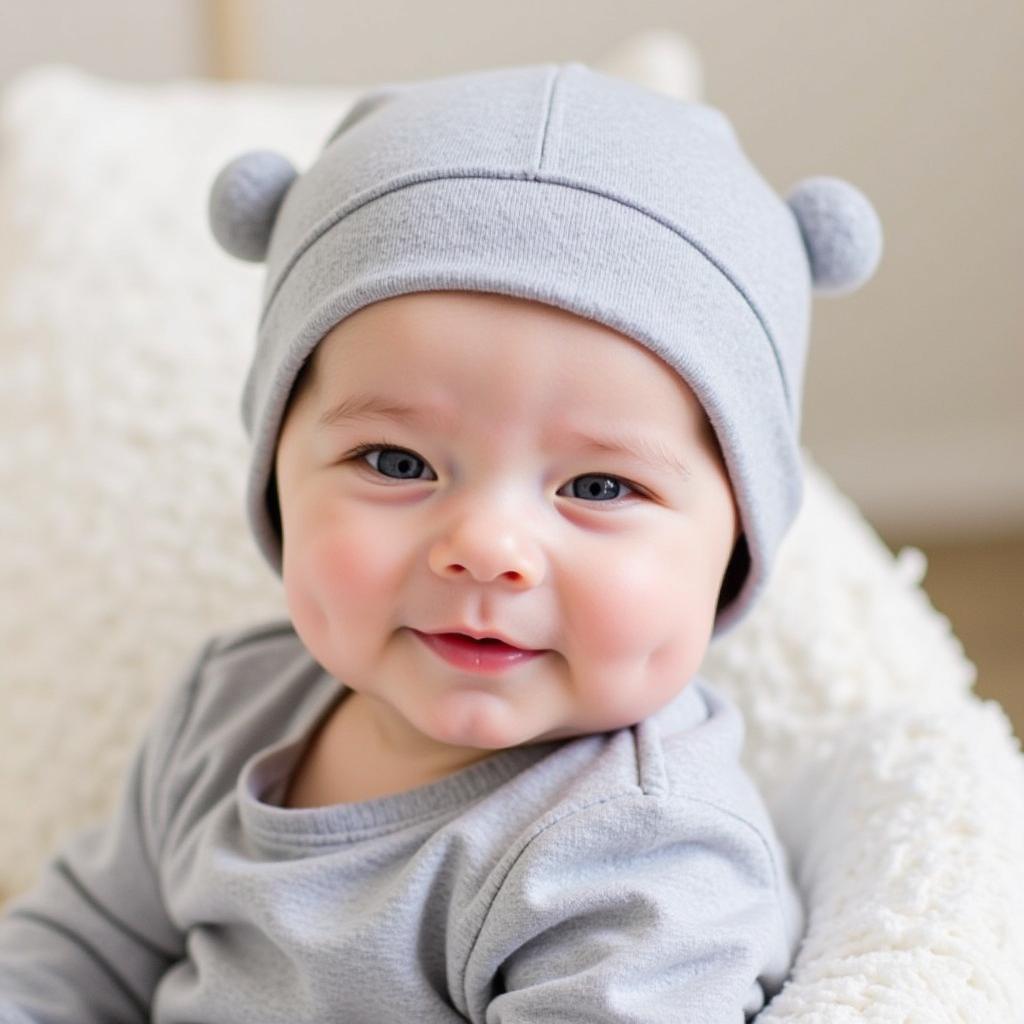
[636,910]
[91,940]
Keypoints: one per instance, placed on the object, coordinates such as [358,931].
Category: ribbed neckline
[338,823]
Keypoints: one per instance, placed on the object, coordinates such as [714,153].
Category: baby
[525,408]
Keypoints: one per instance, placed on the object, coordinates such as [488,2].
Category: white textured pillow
[899,793]
[124,336]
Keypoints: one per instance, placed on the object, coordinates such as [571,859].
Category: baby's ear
[244,200]
[841,232]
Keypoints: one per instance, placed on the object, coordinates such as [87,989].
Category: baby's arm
[639,908]
[89,943]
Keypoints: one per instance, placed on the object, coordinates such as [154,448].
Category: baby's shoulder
[691,752]
[681,764]
[248,673]
[254,662]
[667,784]
[253,640]
[247,689]
[694,751]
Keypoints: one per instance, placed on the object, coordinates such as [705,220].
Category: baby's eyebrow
[364,405]
[655,455]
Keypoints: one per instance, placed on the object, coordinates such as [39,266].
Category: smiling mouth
[486,655]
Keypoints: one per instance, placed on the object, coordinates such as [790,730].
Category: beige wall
[914,385]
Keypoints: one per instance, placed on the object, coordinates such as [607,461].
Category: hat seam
[549,101]
[335,218]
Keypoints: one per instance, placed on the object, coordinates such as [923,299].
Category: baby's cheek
[625,603]
[356,567]
[638,633]
[341,582]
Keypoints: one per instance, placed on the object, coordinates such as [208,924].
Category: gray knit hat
[571,187]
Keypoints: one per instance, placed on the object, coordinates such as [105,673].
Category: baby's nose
[486,545]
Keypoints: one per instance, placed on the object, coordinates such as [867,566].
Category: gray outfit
[627,876]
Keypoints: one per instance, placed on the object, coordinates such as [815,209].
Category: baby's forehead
[483,362]
[447,332]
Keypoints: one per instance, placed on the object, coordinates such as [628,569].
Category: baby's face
[484,508]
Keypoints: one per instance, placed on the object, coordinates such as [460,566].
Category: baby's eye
[598,486]
[402,464]
[395,463]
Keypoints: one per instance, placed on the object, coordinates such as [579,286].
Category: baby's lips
[493,638]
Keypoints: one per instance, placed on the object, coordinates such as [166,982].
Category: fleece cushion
[124,336]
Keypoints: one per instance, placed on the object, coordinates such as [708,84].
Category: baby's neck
[344,764]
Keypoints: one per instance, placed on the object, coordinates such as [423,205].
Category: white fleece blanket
[124,334]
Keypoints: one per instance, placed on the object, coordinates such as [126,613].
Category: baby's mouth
[472,642]
[480,640]
[497,642]
[487,654]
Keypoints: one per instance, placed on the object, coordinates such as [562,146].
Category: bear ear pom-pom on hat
[244,201]
[841,232]
[840,229]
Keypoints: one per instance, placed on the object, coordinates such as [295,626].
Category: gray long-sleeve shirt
[627,876]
